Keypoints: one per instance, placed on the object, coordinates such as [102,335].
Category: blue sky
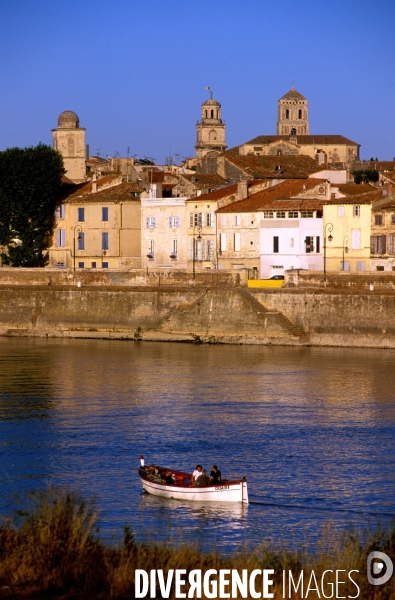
[135,71]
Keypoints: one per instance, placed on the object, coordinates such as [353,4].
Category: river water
[313,429]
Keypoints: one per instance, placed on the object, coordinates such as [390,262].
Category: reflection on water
[312,429]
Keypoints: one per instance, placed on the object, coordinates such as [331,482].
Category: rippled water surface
[313,429]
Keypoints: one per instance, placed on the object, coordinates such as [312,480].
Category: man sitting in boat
[197,473]
[167,478]
[203,480]
[215,475]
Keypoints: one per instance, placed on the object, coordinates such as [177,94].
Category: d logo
[382,564]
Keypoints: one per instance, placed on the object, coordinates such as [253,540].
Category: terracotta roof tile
[350,189]
[282,195]
[302,139]
[293,94]
[274,167]
[123,191]
[203,180]
[366,198]
[224,192]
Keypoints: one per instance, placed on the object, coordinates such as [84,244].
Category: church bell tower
[210,130]
[293,118]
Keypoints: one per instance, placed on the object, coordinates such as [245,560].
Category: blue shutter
[104,240]
[153,220]
[170,222]
[81,241]
[177,221]
[81,215]
[104,212]
[147,222]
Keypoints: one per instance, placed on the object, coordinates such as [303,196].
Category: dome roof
[293,94]
[68,119]
[211,102]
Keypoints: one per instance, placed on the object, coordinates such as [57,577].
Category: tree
[364,176]
[30,185]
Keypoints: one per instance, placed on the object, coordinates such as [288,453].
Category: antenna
[127,165]
[209,89]
[98,152]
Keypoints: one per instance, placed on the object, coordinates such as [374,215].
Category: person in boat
[203,480]
[167,478]
[215,475]
[196,474]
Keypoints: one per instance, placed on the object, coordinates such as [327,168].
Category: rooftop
[293,94]
[274,167]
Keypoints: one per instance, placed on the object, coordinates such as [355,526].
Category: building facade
[98,227]
[69,140]
[210,130]
[163,233]
[293,117]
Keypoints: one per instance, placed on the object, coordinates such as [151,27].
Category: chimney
[242,188]
[94,184]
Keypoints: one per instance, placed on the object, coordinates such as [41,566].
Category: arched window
[217,114]
[293,131]
[212,113]
[205,114]
[300,113]
[212,135]
[279,152]
[287,114]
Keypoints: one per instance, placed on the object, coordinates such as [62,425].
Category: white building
[163,233]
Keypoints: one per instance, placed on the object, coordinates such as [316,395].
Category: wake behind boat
[169,483]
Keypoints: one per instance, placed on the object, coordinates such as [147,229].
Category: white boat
[156,481]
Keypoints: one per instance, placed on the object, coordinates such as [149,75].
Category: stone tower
[210,130]
[69,139]
[293,118]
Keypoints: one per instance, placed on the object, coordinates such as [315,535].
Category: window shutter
[317,244]
[355,239]
[200,219]
[191,220]
[223,242]
[81,215]
[81,241]
[58,238]
[341,211]
[153,221]
[177,220]
[237,242]
[372,244]
[170,222]
[147,222]
[104,240]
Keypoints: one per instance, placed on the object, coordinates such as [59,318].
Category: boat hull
[232,491]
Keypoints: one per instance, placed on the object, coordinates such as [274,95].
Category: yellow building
[347,227]
[98,226]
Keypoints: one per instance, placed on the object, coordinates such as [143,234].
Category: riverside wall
[223,314]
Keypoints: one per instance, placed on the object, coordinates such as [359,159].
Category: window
[378,244]
[61,238]
[93,264]
[210,250]
[81,241]
[223,242]
[309,241]
[174,249]
[355,239]
[360,266]
[379,268]
[345,266]
[81,265]
[333,196]
[151,249]
[300,114]
[280,214]
[293,131]
[150,222]
[275,244]
[392,244]
[196,220]
[268,214]
[356,210]
[210,219]
[340,211]
[81,215]
[321,189]
[392,219]
[174,222]
[291,242]
[104,213]
[378,219]
[287,114]
[318,244]
[293,214]
[104,240]
[104,265]
[223,221]
[237,220]
[59,212]
[237,242]
[306,214]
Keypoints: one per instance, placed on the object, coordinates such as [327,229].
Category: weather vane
[211,93]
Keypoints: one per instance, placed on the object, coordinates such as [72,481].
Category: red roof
[279,197]
[274,167]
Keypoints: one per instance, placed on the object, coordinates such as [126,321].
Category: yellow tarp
[265,283]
